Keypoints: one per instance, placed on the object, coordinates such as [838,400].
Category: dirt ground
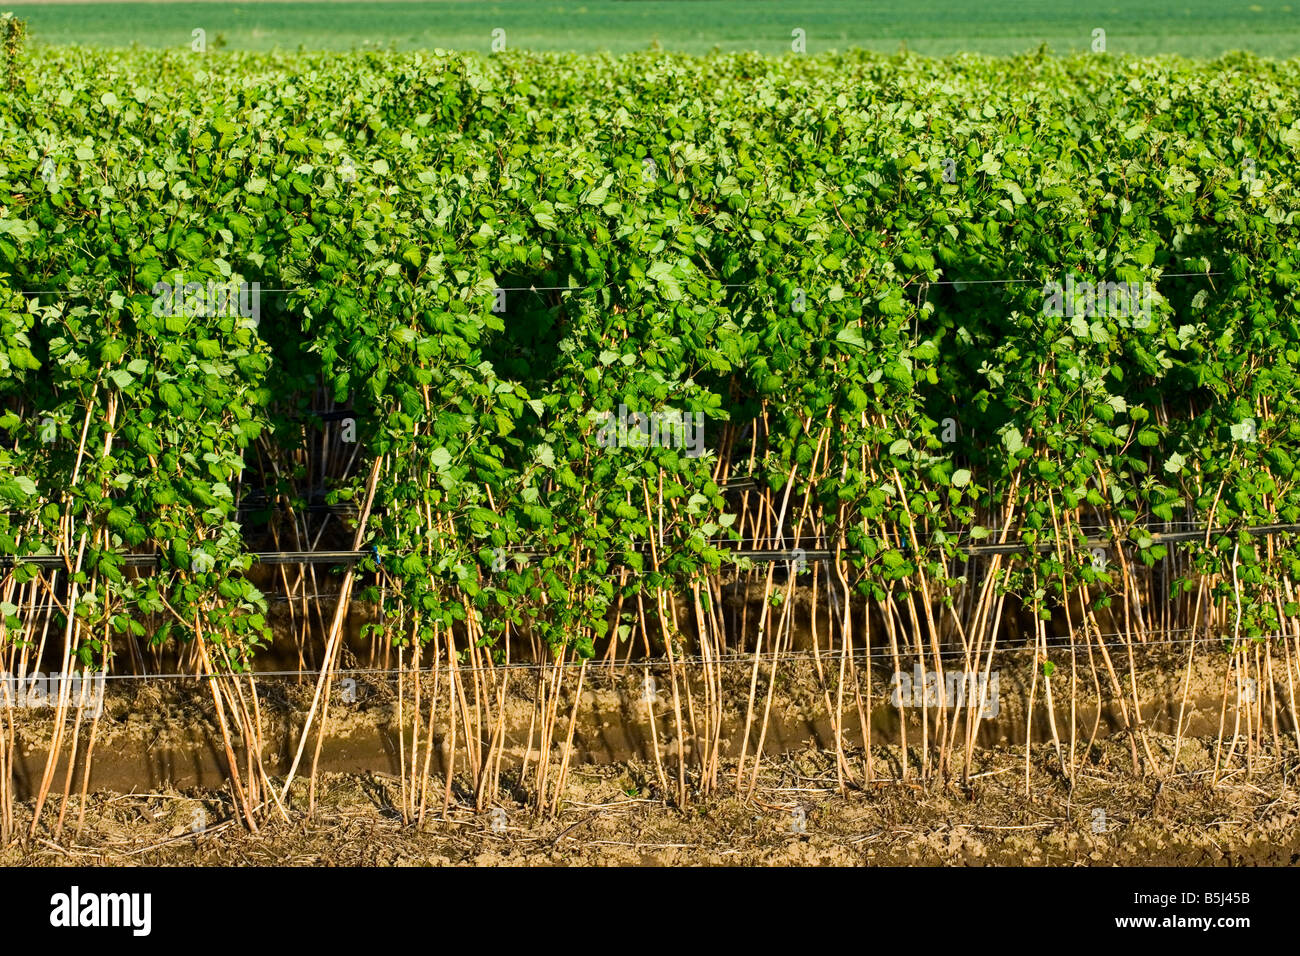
[158,792]
[795,817]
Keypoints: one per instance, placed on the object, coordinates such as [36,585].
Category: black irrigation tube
[751,554]
[260,502]
[263,503]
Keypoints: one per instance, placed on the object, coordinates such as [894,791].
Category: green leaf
[851,335]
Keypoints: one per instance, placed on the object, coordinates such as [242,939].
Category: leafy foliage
[774,243]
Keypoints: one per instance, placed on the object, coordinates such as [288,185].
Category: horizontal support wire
[759,555]
[827,657]
[906,281]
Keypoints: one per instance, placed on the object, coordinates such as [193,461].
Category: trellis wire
[751,554]
[743,658]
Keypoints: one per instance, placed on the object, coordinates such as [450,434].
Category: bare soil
[158,794]
[613,817]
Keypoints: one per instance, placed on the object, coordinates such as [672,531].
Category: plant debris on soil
[796,816]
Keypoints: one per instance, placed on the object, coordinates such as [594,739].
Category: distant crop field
[1190,28]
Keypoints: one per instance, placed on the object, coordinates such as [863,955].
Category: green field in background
[1188,27]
